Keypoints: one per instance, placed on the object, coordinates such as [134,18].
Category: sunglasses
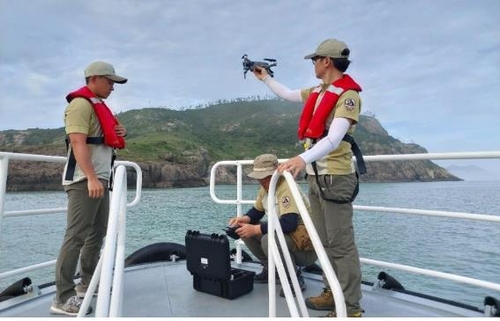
[313,59]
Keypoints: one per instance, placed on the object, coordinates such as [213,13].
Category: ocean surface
[464,247]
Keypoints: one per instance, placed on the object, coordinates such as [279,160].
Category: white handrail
[109,254]
[274,258]
[399,157]
[429,156]
[437,274]
[110,268]
[475,217]
[117,295]
[4,161]
[27,269]
[273,223]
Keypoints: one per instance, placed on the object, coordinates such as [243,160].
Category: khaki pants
[258,245]
[333,222]
[87,221]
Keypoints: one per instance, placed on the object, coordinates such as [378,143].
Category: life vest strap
[70,171]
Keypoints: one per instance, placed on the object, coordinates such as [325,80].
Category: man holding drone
[328,120]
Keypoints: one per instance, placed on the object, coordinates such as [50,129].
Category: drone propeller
[269,59]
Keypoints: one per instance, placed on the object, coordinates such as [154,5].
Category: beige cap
[101,68]
[263,166]
[332,48]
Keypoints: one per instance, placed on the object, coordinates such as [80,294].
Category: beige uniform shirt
[339,161]
[79,117]
[285,203]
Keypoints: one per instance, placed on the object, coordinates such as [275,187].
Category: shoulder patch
[285,201]
[349,104]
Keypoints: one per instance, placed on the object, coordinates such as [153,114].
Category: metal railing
[275,257]
[239,201]
[111,264]
[274,225]
[476,217]
[110,268]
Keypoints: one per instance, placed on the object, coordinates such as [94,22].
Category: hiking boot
[81,290]
[333,314]
[324,301]
[71,307]
[302,284]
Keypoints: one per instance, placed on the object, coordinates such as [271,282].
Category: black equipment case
[208,260]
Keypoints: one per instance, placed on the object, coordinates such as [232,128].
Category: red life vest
[312,122]
[106,118]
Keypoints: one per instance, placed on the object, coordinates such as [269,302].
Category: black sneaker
[262,277]
[302,284]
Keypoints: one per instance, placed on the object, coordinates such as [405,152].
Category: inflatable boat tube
[494,303]
[16,289]
[156,252]
[390,283]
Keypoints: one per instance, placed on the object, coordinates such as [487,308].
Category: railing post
[4,167]
[239,197]
[115,309]
[109,252]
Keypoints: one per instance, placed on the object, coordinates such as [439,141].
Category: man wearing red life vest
[330,112]
[93,133]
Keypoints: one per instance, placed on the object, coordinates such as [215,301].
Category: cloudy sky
[430,69]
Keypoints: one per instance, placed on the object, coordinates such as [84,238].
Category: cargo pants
[87,221]
[333,222]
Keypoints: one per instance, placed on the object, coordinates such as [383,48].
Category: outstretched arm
[279,89]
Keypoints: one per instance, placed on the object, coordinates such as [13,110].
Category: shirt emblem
[349,104]
[285,201]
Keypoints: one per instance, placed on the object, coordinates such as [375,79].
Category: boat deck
[165,289]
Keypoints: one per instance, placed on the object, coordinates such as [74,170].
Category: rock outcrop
[179,148]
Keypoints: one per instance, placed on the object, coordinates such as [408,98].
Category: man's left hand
[120,130]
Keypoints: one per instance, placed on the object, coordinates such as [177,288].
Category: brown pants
[87,221]
[333,222]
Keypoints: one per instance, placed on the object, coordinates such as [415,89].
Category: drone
[250,65]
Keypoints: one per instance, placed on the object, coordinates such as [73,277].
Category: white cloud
[429,68]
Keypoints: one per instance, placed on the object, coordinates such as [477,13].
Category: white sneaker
[71,307]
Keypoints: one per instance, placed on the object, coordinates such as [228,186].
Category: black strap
[112,174]
[350,200]
[357,153]
[70,171]
[360,164]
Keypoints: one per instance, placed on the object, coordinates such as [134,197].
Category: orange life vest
[106,118]
[312,122]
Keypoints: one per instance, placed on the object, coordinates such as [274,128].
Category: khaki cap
[263,166]
[101,68]
[332,48]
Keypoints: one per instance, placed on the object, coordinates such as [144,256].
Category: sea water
[458,246]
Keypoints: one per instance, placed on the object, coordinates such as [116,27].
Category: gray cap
[332,48]
[101,68]
[263,166]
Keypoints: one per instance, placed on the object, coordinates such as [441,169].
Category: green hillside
[183,144]
[229,130]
